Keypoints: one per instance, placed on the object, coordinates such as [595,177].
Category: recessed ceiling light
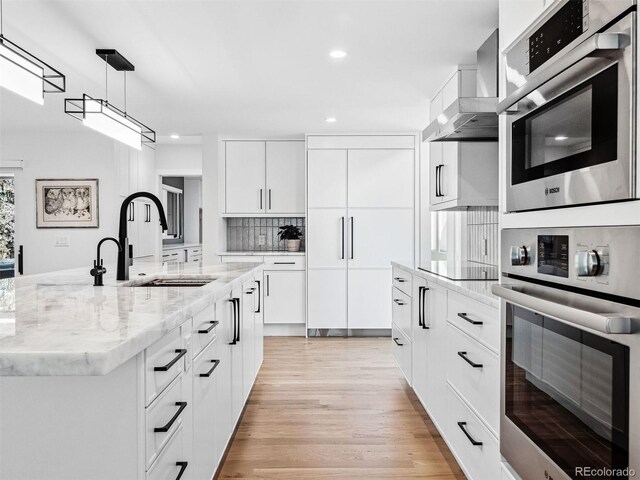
[561,137]
[330,119]
[175,136]
[337,54]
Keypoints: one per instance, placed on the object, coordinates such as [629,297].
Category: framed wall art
[67,203]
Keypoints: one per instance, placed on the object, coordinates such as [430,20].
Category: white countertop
[180,246]
[260,254]
[479,290]
[60,324]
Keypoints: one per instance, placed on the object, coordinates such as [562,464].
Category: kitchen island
[125,381]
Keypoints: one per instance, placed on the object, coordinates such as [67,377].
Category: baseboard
[284,330]
[349,332]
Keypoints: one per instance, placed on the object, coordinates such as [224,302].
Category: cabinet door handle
[399,279]
[259,295]
[181,353]
[399,302]
[473,441]
[395,339]
[260,199]
[424,302]
[21,259]
[420,309]
[215,365]
[352,238]
[436,180]
[183,467]
[213,325]
[269,199]
[472,322]
[233,305]
[463,355]
[342,227]
[166,428]
[284,263]
[267,285]
[440,180]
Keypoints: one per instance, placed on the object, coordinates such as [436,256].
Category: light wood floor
[334,408]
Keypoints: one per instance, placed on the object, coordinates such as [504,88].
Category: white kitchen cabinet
[327,298]
[247,338]
[143,227]
[225,337]
[285,177]
[326,241]
[245,170]
[376,236]
[327,174]
[284,296]
[419,339]
[436,385]
[368,299]
[205,389]
[264,177]
[379,178]
[259,323]
[466,175]
[402,351]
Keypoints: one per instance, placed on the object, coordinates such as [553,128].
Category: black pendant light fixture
[105,118]
[25,74]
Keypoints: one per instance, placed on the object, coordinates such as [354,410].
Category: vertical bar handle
[268,285]
[233,305]
[342,227]
[352,238]
[424,302]
[259,295]
[260,199]
[21,259]
[269,199]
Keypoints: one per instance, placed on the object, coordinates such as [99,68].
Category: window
[439,236]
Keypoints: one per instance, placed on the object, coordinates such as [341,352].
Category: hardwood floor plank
[335,408]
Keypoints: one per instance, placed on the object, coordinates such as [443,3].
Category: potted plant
[292,235]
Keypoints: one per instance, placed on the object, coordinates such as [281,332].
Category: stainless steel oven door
[571,126]
[568,397]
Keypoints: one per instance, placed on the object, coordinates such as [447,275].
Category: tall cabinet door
[327,238]
[285,177]
[369,304]
[224,332]
[327,298]
[436,386]
[247,338]
[327,173]
[245,177]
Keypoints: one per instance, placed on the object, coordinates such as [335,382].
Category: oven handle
[601,322]
[598,42]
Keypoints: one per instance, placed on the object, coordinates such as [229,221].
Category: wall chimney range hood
[472,118]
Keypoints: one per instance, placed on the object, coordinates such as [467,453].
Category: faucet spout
[98,269]
[125,255]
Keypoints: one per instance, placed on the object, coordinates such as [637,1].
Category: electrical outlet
[262,240]
[62,241]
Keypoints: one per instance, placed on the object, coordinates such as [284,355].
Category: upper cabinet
[264,177]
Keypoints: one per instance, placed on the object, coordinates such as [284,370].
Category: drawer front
[204,329]
[402,280]
[173,256]
[480,462]
[402,351]
[242,259]
[284,262]
[164,416]
[477,319]
[401,310]
[479,384]
[160,368]
[172,463]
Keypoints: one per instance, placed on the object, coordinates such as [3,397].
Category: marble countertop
[479,290]
[178,246]
[60,324]
[260,254]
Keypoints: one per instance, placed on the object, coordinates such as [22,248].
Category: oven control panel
[589,258]
[560,30]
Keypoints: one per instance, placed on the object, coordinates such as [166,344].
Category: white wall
[192,205]
[212,223]
[60,156]
[180,159]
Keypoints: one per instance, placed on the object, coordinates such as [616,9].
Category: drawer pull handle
[473,441]
[183,467]
[463,355]
[169,424]
[215,365]
[399,279]
[213,325]
[395,339]
[472,322]
[181,353]
[284,263]
[399,302]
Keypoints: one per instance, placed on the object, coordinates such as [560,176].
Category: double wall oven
[571,107]
[571,352]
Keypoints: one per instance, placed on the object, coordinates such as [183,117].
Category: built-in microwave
[571,106]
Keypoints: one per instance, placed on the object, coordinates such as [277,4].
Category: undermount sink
[176,282]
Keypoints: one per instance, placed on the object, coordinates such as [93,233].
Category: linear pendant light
[105,118]
[25,74]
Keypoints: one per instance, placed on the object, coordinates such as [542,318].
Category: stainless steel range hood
[472,118]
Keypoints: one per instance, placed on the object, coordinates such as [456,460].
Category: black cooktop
[461,271]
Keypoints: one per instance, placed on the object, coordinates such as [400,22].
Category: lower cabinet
[402,351]
[436,321]
[284,296]
[206,381]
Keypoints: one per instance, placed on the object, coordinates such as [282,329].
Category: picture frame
[67,203]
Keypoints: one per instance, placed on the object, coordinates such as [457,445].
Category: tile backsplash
[482,235]
[243,233]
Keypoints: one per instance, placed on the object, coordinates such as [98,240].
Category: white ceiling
[249,67]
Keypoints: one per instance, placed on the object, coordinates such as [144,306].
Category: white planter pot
[293,245]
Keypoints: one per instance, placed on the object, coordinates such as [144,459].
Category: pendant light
[24,73]
[105,118]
